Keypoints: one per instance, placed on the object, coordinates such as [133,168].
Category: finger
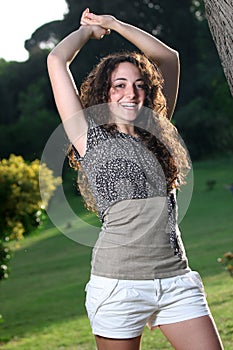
[91,16]
[86,11]
[88,20]
[108,31]
[83,16]
[83,22]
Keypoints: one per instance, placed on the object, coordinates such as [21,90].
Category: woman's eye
[140,86]
[119,86]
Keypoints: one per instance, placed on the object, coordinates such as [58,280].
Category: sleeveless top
[139,238]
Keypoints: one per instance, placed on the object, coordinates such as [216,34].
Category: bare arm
[166,58]
[64,89]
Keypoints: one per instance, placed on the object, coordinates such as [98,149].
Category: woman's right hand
[104,21]
[97,31]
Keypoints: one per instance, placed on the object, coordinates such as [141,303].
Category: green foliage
[21,205]
[207,128]
[35,122]
[5,255]
[227,262]
[204,109]
[21,208]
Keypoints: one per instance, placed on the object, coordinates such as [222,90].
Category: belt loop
[157,286]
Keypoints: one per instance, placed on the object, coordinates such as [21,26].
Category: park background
[42,300]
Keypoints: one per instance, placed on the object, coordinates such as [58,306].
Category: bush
[21,208]
[5,256]
[227,261]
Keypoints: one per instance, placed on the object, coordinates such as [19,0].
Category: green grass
[42,302]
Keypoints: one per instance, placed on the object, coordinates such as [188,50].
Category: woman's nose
[131,92]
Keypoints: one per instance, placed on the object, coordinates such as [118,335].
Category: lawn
[42,302]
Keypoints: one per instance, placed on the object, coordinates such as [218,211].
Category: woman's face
[127,92]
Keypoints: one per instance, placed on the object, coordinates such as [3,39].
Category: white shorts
[120,309]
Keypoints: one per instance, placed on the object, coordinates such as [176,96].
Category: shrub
[21,207]
[227,261]
[5,256]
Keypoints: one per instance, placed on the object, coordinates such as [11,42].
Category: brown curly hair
[152,125]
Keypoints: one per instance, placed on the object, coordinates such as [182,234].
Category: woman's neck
[126,129]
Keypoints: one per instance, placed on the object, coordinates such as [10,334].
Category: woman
[130,163]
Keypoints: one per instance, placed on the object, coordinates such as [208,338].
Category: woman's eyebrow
[139,79]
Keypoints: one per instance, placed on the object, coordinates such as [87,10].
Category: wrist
[86,31]
[116,25]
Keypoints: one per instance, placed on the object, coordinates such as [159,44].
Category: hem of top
[144,277]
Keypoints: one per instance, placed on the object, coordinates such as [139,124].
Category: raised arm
[64,89]
[166,58]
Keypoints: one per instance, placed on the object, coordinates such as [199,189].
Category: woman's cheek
[114,95]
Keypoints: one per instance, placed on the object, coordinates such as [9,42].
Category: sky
[20,18]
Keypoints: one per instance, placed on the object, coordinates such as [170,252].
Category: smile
[128,105]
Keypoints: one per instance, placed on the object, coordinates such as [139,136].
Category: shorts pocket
[98,290]
[192,280]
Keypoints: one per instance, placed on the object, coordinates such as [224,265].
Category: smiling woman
[128,94]
[131,162]
[19,28]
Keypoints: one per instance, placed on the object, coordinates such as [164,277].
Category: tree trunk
[219,14]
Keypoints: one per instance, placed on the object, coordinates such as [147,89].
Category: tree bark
[219,14]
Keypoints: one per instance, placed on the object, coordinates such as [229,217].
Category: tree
[219,14]
[27,104]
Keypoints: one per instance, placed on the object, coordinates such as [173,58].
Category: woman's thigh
[118,344]
[195,334]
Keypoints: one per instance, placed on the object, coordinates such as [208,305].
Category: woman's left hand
[104,21]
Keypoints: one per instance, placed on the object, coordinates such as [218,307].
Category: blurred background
[42,301]
[204,110]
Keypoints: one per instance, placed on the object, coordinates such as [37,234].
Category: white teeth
[128,104]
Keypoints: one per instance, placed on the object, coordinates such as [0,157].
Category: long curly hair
[152,125]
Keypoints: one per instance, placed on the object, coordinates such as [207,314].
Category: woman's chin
[124,115]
